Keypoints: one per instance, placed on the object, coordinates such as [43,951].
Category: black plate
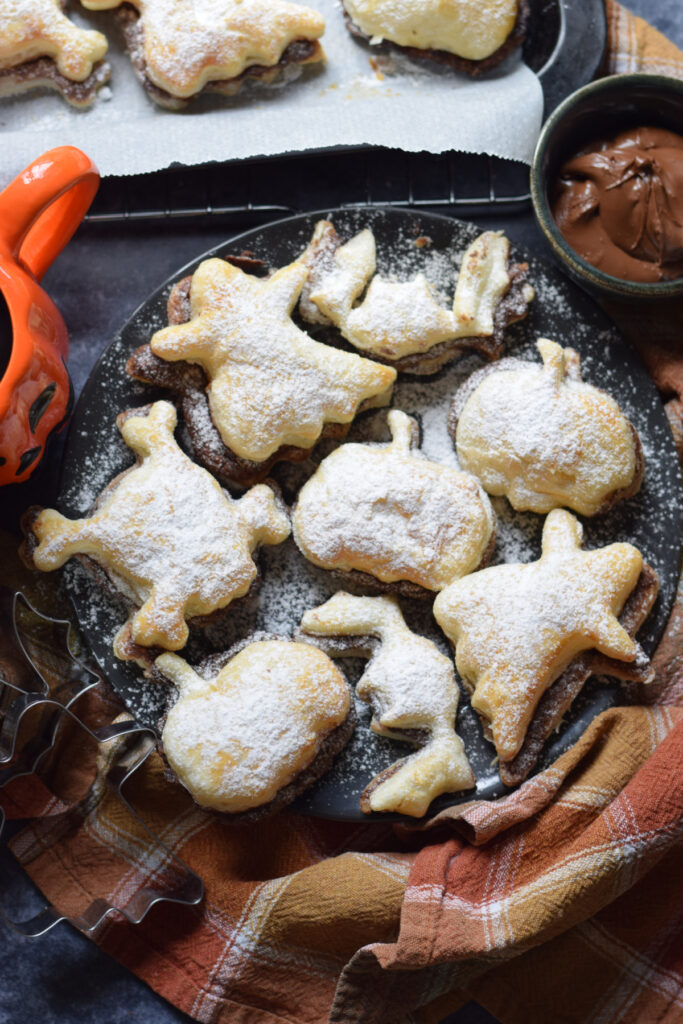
[653,520]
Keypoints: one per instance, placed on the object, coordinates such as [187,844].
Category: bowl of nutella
[607,186]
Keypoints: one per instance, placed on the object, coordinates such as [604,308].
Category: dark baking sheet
[565,45]
[652,520]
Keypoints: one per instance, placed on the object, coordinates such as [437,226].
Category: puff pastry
[392,515]
[517,628]
[543,438]
[41,47]
[265,390]
[401,322]
[169,538]
[181,48]
[412,690]
[279,712]
[469,35]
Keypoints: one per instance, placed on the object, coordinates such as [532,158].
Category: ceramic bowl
[600,111]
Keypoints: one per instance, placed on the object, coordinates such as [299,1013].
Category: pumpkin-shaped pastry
[393,519]
[543,438]
[256,725]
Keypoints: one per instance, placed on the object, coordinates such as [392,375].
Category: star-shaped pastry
[168,536]
[517,627]
[189,44]
[412,690]
[270,383]
[30,29]
[396,320]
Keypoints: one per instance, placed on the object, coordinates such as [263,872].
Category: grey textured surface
[63,978]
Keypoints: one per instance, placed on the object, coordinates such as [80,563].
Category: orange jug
[39,212]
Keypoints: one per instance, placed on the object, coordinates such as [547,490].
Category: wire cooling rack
[291,184]
[564,45]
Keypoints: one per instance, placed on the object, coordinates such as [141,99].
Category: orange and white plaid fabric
[560,903]
[633,45]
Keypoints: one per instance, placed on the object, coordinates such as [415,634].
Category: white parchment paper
[398,103]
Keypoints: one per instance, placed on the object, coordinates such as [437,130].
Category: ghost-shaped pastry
[412,690]
[184,47]
[260,729]
[516,628]
[543,438]
[270,383]
[389,512]
[169,537]
[40,28]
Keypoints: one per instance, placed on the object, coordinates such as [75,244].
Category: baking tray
[653,520]
[565,46]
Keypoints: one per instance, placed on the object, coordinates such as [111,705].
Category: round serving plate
[652,520]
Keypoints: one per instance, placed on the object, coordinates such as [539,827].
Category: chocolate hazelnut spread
[619,204]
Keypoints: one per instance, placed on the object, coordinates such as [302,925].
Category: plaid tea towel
[561,902]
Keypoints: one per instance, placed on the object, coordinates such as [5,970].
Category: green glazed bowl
[600,111]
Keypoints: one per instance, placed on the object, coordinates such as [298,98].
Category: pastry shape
[516,628]
[270,386]
[391,514]
[469,35]
[559,697]
[543,438]
[40,46]
[412,690]
[402,322]
[169,538]
[180,49]
[255,732]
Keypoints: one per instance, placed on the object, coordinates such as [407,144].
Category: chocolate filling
[43,73]
[356,578]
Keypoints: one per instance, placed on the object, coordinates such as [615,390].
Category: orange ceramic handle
[43,206]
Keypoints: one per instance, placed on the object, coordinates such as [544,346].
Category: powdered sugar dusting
[394,514]
[516,626]
[237,737]
[187,45]
[544,438]
[290,585]
[37,28]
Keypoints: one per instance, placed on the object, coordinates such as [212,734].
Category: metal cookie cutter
[32,712]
